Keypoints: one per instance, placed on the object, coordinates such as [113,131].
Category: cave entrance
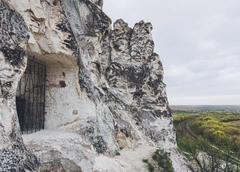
[48,95]
[30,97]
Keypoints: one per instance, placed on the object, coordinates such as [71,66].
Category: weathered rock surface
[106,103]
[13,39]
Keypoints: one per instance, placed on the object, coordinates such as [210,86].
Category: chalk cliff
[105,104]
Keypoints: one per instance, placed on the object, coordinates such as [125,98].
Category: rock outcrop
[106,106]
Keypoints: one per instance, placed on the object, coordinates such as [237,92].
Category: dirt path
[186,130]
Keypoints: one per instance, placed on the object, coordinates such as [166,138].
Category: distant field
[205,108]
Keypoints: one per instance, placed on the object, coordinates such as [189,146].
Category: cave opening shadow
[30,97]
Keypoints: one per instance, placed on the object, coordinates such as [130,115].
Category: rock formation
[106,106]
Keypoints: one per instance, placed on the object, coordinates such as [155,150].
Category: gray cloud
[198,43]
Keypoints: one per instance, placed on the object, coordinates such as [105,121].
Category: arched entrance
[30,97]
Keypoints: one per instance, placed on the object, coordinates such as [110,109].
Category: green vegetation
[215,127]
[160,162]
[180,117]
[211,140]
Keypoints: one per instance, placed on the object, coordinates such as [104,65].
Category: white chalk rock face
[96,93]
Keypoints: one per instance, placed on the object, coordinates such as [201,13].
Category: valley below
[209,136]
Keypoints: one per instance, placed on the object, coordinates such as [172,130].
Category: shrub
[160,161]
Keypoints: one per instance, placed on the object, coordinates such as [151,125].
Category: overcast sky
[198,43]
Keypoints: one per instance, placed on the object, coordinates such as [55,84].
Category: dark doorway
[30,100]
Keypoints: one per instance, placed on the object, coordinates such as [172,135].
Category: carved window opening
[30,97]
